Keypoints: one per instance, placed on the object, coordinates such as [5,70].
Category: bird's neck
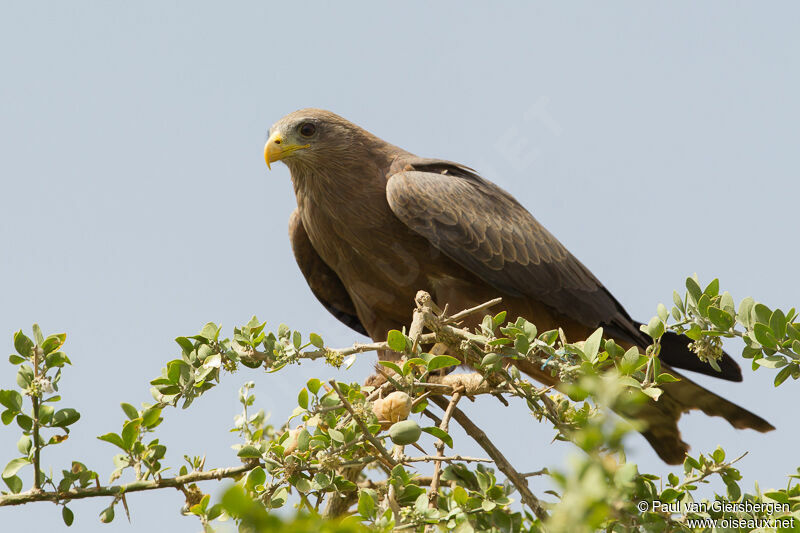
[342,185]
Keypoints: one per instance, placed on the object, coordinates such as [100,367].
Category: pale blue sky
[655,140]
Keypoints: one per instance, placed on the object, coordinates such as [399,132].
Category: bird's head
[310,136]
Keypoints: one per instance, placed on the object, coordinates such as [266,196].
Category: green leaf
[762,313]
[442,361]
[107,516]
[777,323]
[491,359]
[24,376]
[393,366]
[151,416]
[302,399]
[396,341]
[744,314]
[366,504]
[460,495]
[784,373]
[678,301]
[209,332]
[726,303]
[321,481]
[720,318]
[11,399]
[24,421]
[592,344]
[549,337]
[666,378]
[408,365]
[316,340]
[130,411]
[702,305]
[712,289]
[690,463]
[56,360]
[792,331]
[399,473]
[653,392]
[7,416]
[303,440]
[614,350]
[440,434]
[130,432]
[53,343]
[24,444]
[14,484]
[114,439]
[67,515]
[23,344]
[764,336]
[256,477]
[46,414]
[694,332]
[522,343]
[15,359]
[14,465]
[186,345]
[313,385]
[336,435]
[669,495]
[734,492]
[297,339]
[248,451]
[499,318]
[718,455]
[780,497]
[772,361]
[631,361]
[654,328]
[693,289]
[37,334]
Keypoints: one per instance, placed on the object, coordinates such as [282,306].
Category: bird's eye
[307,129]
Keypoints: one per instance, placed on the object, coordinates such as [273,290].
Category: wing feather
[484,229]
[321,279]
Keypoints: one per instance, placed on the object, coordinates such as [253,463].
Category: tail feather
[661,417]
[680,397]
[690,395]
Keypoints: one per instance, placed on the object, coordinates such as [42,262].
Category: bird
[375,223]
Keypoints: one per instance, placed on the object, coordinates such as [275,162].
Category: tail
[682,396]
[662,416]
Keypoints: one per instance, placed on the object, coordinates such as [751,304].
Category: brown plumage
[374,224]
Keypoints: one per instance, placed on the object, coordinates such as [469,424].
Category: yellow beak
[276,149]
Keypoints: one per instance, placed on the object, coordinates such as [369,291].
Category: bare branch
[445,459]
[115,490]
[472,310]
